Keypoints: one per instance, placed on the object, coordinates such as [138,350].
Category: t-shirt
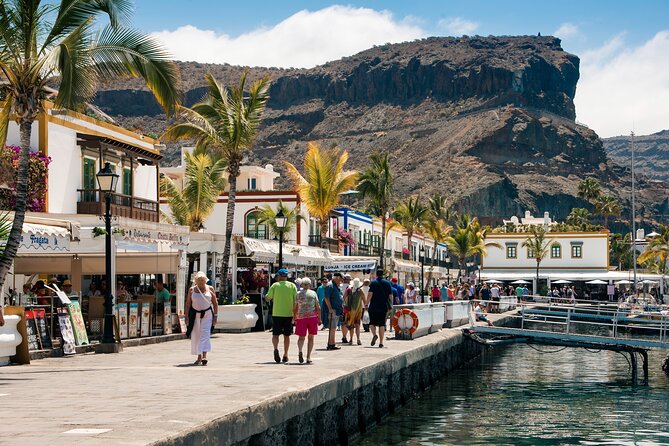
[162,296]
[485,293]
[526,291]
[306,304]
[494,291]
[283,294]
[444,293]
[519,291]
[380,290]
[333,294]
[320,291]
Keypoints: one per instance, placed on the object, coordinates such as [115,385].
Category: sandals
[198,362]
[333,347]
[277,358]
[204,362]
[359,343]
[309,361]
[285,359]
[301,358]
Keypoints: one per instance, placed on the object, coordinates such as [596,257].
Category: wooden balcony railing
[332,244]
[91,201]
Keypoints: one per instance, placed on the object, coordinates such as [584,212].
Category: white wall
[65,174]
[13,137]
[146,182]
[594,252]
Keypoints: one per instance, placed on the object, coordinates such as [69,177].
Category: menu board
[78,324]
[167,318]
[31,329]
[182,322]
[133,320]
[123,320]
[66,331]
[145,318]
[42,328]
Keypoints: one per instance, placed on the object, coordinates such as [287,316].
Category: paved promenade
[152,392]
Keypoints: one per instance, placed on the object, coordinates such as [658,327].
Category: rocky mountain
[488,121]
[651,153]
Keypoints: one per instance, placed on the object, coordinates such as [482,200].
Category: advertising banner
[133,320]
[123,320]
[145,319]
[78,325]
[66,331]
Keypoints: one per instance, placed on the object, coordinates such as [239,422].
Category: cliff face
[651,153]
[489,122]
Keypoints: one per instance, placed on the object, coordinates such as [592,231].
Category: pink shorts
[309,324]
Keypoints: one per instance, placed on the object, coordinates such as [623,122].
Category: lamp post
[422,268]
[107,180]
[448,269]
[280,220]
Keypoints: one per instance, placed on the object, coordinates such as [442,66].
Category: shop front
[358,266]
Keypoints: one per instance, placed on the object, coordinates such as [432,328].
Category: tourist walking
[379,301]
[335,305]
[202,311]
[353,302]
[400,291]
[410,294]
[436,294]
[321,298]
[307,315]
[283,293]
[365,290]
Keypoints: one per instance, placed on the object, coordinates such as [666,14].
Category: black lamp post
[280,221]
[107,180]
[448,269]
[422,268]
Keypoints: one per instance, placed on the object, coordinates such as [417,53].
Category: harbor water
[518,395]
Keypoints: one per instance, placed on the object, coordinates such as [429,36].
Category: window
[530,253]
[556,251]
[251,184]
[88,182]
[127,181]
[576,250]
[255,229]
[511,251]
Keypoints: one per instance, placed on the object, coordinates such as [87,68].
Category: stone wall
[338,410]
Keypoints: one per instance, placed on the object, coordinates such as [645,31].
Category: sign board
[133,320]
[66,332]
[42,329]
[352,266]
[78,325]
[153,236]
[123,320]
[167,318]
[145,319]
[610,290]
[31,331]
[182,322]
[43,242]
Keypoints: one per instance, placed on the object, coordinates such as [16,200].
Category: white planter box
[507,303]
[430,318]
[9,338]
[456,313]
[236,318]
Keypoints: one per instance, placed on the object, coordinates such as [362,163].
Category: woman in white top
[410,294]
[202,307]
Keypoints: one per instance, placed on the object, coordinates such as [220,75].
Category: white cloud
[566,31]
[457,26]
[624,88]
[305,39]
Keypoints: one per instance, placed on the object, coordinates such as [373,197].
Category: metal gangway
[573,325]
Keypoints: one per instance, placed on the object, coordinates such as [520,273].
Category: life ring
[405,320]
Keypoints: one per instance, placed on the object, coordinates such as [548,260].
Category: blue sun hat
[282,272]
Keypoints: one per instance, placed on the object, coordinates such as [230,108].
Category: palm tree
[376,184]
[440,210]
[268,217]
[203,183]
[579,217]
[658,251]
[43,41]
[412,214]
[225,122]
[438,230]
[589,189]
[463,243]
[323,182]
[538,247]
[621,251]
[607,206]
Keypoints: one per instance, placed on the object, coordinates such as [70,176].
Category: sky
[623,45]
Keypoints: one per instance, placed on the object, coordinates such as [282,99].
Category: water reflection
[520,396]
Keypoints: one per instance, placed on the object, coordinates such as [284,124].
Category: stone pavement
[152,392]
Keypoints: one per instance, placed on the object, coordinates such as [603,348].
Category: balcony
[92,202]
[332,244]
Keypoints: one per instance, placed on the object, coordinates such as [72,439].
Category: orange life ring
[399,321]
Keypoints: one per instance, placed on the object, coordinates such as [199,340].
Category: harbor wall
[340,409]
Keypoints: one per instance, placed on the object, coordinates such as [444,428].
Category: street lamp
[448,269]
[107,180]
[422,268]
[280,221]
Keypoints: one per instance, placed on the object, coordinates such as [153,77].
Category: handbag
[365,317]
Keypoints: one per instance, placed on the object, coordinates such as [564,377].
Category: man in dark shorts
[283,294]
[334,302]
[379,301]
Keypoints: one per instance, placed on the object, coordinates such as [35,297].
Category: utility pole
[633,217]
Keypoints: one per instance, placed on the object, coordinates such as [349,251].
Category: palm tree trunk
[536,291]
[12,245]
[429,274]
[409,237]
[233,173]
[323,227]
[383,239]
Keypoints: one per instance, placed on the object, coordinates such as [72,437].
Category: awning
[267,251]
[44,237]
[136,263]
[352,263]
[406,266]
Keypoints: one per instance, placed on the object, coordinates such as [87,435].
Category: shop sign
[352,266]
[41,241]
[153,236]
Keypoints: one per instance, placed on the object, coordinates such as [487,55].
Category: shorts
[309,324]
[282,325]
[377,318]
[334,320]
